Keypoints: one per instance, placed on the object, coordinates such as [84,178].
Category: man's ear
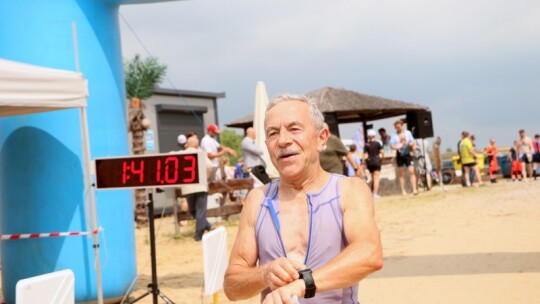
[324,135]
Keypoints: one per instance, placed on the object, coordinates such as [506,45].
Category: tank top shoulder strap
[269,195]
[272,190]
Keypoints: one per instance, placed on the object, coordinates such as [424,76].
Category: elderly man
[252,156]
[310,234]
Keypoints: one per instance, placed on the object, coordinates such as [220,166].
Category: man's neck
[313,182]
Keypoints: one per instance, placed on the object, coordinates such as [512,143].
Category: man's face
[291,138]
[398,127]
[382,134]
[521,135]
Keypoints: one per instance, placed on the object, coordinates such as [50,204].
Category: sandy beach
[463,245]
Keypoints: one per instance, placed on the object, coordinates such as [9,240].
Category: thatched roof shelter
[349,106]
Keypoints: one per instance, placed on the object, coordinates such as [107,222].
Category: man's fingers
[282,272]
[284,275]
[292,269]
[297,267]
[273,298]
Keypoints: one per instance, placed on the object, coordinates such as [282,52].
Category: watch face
[164,170]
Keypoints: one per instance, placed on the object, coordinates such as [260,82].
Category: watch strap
[307,276]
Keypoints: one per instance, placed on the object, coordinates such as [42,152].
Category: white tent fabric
[261,102]
[26,89]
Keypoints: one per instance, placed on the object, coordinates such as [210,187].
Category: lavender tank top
[326,236]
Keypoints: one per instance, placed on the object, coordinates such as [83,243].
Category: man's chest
[295,221]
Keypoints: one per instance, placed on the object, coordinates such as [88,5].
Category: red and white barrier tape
[44,235]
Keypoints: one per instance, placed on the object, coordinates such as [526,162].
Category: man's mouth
[284,154]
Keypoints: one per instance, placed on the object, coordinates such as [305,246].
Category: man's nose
[284,138]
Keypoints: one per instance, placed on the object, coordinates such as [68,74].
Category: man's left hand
[284,294]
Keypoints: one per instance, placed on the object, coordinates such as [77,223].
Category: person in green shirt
[331,157]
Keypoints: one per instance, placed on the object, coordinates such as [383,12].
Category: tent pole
[87,173]
[88,187]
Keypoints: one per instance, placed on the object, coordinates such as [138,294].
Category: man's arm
[215,155]
[244,279]
[531,146]
[411,142]
[360,258]
[250,146]
[363,255]
[395,144]
[221,150]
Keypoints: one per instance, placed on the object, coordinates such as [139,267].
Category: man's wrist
[309,283]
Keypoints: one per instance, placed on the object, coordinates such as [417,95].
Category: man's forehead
[286,112]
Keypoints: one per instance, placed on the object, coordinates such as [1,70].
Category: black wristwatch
[310,283]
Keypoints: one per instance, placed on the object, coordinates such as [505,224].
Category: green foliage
[142,76]
[233,140]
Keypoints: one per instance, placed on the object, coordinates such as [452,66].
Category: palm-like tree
[142,77]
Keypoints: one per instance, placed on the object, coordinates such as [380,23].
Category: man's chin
[289,172]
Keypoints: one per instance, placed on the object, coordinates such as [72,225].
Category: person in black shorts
[403,142]
[373,154]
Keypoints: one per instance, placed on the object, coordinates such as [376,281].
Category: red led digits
[164,170]
[128,170]
[139,171]
[125,169]
[158,172]
[174,162]
[190,168]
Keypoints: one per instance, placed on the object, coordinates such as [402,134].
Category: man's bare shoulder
[353,185]
[253,202]
[354,190]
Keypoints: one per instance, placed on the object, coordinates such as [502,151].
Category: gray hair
[314,113]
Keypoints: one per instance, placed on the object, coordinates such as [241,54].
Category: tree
[142,77]
[233,140]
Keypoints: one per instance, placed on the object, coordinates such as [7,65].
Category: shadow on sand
[459,264]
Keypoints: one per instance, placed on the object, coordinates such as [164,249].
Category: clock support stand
[153,287]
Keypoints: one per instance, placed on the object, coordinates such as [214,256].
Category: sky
[474,63]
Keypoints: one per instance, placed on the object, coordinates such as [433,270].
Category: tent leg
[88,187]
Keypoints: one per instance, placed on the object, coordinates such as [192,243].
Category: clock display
[163,170]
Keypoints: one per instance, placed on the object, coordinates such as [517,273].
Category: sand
[473,245]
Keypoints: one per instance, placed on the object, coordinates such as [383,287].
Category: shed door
[173,120]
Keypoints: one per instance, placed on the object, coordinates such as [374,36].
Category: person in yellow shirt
[468,159]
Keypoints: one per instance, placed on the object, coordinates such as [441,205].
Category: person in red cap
[214,150]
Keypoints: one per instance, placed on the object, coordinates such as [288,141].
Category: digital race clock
[145,171]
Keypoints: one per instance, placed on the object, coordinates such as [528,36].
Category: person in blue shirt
[403,142]
[239,169]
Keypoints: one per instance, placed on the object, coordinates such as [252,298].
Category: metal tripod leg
[153,287]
